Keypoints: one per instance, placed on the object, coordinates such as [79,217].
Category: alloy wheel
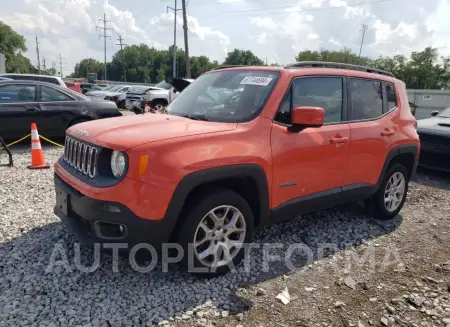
[394,191]
[219,236]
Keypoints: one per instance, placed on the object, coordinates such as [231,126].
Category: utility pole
[174,37]
[121,55]
[121,43]
[45,68]
[37,51]
[363,30]
[104,36]
[60,66]
[186,43]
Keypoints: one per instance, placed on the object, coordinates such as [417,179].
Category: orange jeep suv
[240,148]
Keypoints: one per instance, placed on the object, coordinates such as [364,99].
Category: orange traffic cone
[37,155]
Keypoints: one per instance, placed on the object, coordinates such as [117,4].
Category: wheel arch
[78,118]
[406,155]
[248,180]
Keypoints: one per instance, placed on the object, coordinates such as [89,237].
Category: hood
[158,92]
[438,124]
[105,93]
[125,132]
[179,84]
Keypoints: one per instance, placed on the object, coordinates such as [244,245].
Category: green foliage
[87,66]
[12,45]
[140,63]
[242,57]
[423,70]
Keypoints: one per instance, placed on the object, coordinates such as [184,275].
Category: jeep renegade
[240,148]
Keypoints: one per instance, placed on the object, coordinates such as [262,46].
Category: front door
[18,109]
[312,162]
[58,110]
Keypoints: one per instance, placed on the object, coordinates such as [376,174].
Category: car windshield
[164,85]
[107,88]
[138,89]
[445,113]
[225,96]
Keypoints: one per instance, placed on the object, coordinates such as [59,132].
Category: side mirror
[435,113]
[304,117]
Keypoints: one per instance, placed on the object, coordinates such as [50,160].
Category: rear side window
[366,99]
[17,93]
[391,97]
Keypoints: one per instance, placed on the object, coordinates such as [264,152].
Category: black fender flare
[198,178]
[395,152]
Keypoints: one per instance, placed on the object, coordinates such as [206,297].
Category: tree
[342,56]
[242,57]
[87,66]
[12,45]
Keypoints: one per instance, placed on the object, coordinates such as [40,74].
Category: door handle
[33,108]
[388,132]
[338,140]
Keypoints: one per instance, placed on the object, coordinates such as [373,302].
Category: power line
[363,30]
[174,37]
[104,36]
[243,12]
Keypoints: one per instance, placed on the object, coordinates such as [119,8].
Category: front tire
[214,233]
[390,198]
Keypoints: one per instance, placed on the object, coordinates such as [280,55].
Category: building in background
[2,64]
[427,101]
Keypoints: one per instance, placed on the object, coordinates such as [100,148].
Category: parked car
[137,96]
[53,108]
[110,93]
[178,85]
[86,87]
[75,86]
[158,96]
[33,77]
[434,136]
[274,143]
[4,79]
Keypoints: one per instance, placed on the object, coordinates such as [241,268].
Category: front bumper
[96,221]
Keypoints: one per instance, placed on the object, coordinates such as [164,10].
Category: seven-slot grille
[81,156]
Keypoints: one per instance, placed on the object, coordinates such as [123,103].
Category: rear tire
[214,233]
[159,105]
[391,196]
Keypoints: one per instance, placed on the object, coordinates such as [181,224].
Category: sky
[274,30]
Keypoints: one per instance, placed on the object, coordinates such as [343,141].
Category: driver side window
[323,92]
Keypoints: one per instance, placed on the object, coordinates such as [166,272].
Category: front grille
[436,139]
[81,156]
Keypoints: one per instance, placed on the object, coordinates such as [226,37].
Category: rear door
[18,109]
[373,127]
[58,110]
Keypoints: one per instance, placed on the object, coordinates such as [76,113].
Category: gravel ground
[411,288]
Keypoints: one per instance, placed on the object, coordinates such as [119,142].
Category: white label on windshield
[254,80]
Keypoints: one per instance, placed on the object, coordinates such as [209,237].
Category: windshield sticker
[254,80]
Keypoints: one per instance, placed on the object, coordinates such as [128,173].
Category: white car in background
[178,85]
[111,93]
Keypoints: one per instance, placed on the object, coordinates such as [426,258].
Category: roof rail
[228,66]
[324,64]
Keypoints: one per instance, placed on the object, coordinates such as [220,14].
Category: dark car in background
[51,107]
[87,87]
[434,136]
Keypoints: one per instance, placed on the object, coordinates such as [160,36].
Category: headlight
[118,163]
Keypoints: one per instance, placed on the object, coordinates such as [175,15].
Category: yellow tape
[15,142]
[50,141]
